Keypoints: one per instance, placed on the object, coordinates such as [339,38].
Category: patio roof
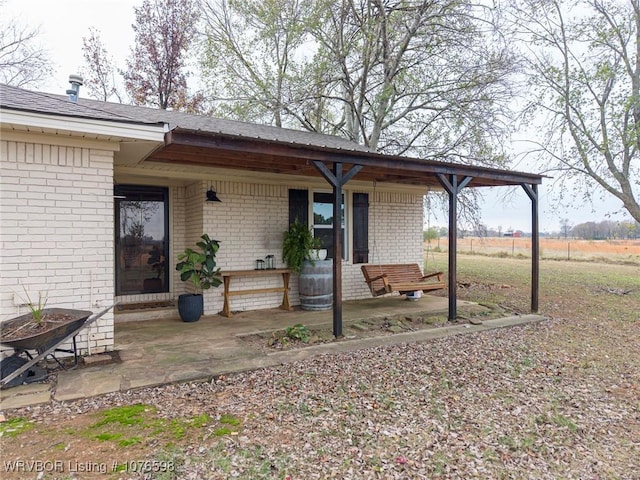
[235,151]
[214,142]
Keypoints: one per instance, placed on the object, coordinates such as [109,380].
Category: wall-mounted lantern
[212,196]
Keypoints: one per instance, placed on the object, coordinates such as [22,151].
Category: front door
[142,240]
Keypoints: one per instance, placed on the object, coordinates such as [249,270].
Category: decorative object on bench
[401,278]
[270,262]
[301,252]
[200,269]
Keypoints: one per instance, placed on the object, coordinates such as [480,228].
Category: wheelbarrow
[16,369]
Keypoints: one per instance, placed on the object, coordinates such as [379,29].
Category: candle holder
[270,261]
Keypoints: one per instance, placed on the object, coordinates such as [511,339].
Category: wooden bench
[401,278]
[229,274]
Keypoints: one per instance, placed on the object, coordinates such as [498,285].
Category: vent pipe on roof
[74,91]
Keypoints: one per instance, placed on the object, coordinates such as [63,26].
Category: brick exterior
[250,223]
[56,231]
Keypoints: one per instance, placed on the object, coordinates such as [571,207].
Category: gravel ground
[500,404]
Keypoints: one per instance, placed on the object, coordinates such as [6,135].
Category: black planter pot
[190,307]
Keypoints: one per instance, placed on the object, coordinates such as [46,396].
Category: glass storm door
[142,241]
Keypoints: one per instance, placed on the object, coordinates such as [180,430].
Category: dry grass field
[550,248]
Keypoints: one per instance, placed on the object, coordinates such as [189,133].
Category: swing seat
[401,278]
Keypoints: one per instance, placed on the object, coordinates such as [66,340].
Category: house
[97,199]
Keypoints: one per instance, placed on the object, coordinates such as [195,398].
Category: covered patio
[140,181]
[258,152]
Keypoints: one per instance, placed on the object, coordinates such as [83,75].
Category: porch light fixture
[212,196]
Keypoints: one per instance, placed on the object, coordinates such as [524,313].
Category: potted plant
[199,268]
[300,252]
[297,246]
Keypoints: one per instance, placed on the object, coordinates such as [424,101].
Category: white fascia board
[84,126]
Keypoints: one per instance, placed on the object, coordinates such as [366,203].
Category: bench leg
[285,296]
[226,309]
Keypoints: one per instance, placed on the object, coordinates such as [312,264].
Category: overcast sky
[63,23]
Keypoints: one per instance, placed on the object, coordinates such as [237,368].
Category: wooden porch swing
[401,278]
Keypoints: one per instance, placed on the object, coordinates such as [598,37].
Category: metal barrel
[316,285]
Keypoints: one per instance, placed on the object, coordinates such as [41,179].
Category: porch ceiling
[259,155]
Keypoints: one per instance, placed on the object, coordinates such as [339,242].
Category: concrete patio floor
[160,351]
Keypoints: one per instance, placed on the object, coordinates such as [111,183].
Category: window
[321,216]
[323,222]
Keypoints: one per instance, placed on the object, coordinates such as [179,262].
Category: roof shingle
[14,98]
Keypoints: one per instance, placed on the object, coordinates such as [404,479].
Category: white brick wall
[56,231]
[250,223]
[57,222]
[395,236]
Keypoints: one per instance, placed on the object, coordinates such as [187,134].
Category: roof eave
[76,124]
[392,163]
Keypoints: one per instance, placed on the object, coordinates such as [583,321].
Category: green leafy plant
[297,244]
[199,267]
[36,309]
[297,332]
[124,415]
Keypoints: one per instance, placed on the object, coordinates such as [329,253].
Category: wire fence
[550,248]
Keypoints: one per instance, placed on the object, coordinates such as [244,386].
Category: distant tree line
[606,230]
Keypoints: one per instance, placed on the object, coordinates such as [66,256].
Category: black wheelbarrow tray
[45,343]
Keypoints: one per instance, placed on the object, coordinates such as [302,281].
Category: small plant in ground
[126,415]
[230,425]
[297,332]
[200,421]
[108,437]
[14,427]
[127,442]
[230,419]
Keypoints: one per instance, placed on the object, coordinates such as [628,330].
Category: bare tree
[421,76]
[584,64]
[156,70]
[23,62]
[254,55]
[565,227]
[100,77]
